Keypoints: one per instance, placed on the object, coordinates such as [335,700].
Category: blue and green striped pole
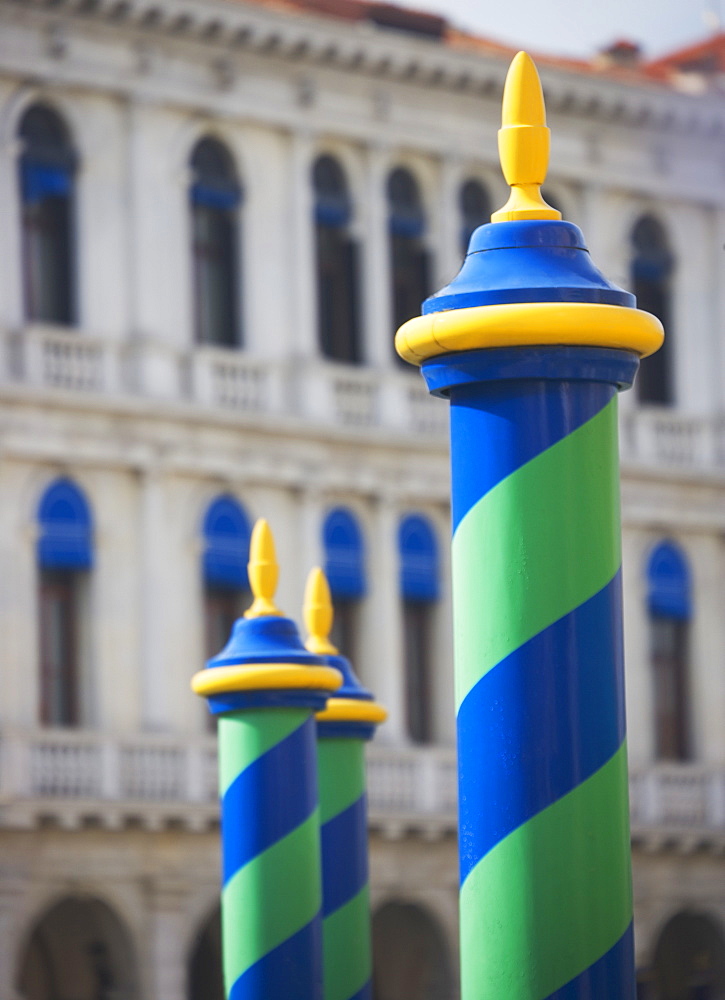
[265,687]
[530,344]
[344,726]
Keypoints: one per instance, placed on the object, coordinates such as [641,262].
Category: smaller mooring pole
[349,719]
[530,344]
[265,687]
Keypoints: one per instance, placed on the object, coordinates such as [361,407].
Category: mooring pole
[265,687]
[347,722]
[530,344]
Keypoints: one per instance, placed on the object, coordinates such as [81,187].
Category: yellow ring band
[264,677]
[529,324]
[352,710]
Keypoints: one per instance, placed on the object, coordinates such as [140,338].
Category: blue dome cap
[267,639]
[351,686]
[538,260]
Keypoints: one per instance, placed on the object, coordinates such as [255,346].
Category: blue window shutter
[224,197]
[66,528]
[226,545]
[344,555]
[45,180]
[418,552]
[668,582]
[406,225]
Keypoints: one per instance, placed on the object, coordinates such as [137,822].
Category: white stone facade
[152,427]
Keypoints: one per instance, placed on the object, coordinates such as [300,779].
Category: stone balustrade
[74,778]
[355,398]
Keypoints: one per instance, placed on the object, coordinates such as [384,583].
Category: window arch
[409,260]
[475,208]
[47,169]
[344,550]
[337,263]
[411,956]
[419,591]
[79,947]
[215,197]
[689,959]
[66,528]
[64,555]
[669,606]
[226,532]
[204,968]
[651,279]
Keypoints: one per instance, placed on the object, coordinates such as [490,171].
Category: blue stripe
[291,971]
[540,722]
[509,405]
[344,846]
[612,976]
[269,799]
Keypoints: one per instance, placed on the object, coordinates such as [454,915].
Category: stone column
[302,246]
[166,955]
[152,601]
[377,299]
[11,930]
[12,312]
[449,257]
[383,662]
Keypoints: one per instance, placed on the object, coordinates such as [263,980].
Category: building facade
[215,214]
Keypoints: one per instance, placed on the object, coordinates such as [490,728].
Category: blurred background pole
[349,719]
[530,343]
[265,687]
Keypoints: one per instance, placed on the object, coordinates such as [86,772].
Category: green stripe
[539,544]
[551,898]
[346,948]
[244,737]
[271,898]
[341,770]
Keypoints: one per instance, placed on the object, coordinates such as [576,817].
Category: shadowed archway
[411,959]
[78,949]
[205,961]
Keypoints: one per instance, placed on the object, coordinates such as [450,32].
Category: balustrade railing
[328,393]
[667,439]
[48,770]
[56,358]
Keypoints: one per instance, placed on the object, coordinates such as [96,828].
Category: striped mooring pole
[343,727]
[530,344]
[265,687]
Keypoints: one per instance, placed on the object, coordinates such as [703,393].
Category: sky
[582,27]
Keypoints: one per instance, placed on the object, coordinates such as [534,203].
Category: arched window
[215,199]
[475,206]
[419,588]
[337,264]
[224,566]
[344,550]
[47,181]
[651,281]
[408,254]
[65,555]
[669,604]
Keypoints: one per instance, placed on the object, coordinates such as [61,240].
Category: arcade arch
[78,949]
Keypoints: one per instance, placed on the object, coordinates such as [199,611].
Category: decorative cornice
[371,50]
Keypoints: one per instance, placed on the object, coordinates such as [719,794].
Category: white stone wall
[155,447]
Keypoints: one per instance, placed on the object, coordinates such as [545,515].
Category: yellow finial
[318,613]
[523,143]
[263,571]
